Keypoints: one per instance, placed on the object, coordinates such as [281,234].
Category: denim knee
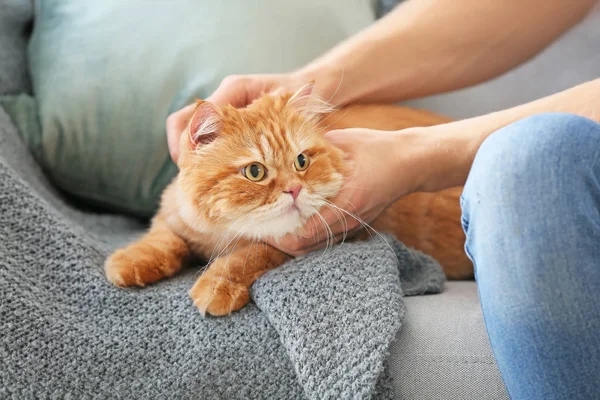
[535,158]
[529,173]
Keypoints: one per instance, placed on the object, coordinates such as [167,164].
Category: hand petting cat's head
[259,171]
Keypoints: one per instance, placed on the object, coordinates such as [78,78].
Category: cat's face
[261,171]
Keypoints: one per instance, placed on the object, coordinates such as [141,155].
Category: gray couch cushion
[442,351]
[15,20]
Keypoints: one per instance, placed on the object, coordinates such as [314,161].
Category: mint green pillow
[106,74]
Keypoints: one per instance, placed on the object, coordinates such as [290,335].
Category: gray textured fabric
[442,351]
[15,21]
[315,317]
[321,326]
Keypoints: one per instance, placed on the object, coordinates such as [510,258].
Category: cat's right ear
[308,103]
[205,125]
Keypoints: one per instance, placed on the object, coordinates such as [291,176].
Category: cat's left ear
[205,125]
[307,101]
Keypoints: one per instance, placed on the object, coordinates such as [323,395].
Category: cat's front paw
[218,296]
[134,266]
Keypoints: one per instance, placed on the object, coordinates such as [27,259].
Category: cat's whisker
[226,233]
[349,185]
[221,278]
[344,224]
[239,237]
[337,88]
[218,248]
[342,219]
[365,225]
[252,242]
[354,210]
[326,128]
[299,131]
[350,180]
[228,267]
[322,108]
[327,246]
[325,106]
[330,235]
[316,229]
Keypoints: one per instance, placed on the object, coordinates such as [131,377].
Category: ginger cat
[261,171]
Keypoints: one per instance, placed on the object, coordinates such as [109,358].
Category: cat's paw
[218,296]
[139,267]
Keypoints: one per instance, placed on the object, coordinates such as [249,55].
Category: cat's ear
[205,125]
[303,96]
[306,101]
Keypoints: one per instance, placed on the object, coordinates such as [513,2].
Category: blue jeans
[531,212]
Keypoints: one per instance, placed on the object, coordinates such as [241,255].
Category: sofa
[442,350]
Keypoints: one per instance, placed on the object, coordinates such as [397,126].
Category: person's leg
[531,212]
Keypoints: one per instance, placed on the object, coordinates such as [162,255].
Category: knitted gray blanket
[319,327]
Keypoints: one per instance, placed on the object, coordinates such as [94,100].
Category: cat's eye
[254,172]
[302,162]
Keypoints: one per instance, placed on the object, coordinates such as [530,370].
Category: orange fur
[213,210]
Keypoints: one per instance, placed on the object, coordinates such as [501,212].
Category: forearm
[449,150]
[432,46]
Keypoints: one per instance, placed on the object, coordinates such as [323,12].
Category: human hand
[382,161]
[238,91]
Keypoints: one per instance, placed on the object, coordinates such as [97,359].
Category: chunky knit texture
[319,327]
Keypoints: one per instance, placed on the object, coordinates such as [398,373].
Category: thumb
[228,96]
[233,91]
[340,138]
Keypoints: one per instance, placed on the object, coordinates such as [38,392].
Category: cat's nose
[294,191]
